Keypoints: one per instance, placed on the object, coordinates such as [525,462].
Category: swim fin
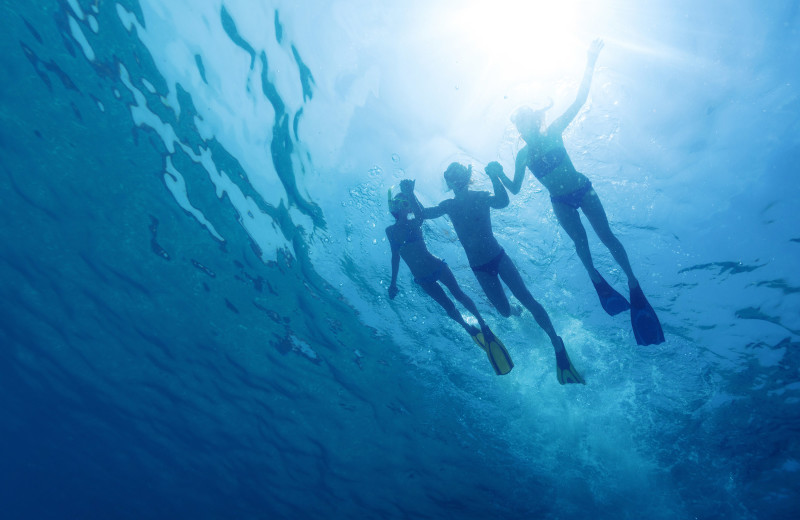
[565,371]
[494,348]
[646,327]
[612,301]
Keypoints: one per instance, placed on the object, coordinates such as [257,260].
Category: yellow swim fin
[565,371]
[495,350]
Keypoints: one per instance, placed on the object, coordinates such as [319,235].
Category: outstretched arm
[420,212]
[434,212]
[560,124]
[500,197]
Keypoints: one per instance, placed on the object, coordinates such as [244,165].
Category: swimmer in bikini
[469,212]
[546,157]
[406,241]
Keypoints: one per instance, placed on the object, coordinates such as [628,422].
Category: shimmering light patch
[149,86]
[93,23]
[127,18]
[258,225]
[76,8]
[81,39]
[142,116]
[177,186]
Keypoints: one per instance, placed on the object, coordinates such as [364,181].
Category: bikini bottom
[434,276]
[573,199]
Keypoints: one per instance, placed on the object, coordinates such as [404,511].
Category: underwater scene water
[195,319]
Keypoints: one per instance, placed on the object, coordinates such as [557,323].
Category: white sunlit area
[200,317]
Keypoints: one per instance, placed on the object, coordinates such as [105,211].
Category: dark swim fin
[644,321]
[612,301]
[495,350]
[565,371]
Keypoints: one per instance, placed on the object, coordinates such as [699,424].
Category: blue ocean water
[195,320]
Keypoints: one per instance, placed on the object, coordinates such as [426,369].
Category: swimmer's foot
[612,301]
[495,350]
[565,371]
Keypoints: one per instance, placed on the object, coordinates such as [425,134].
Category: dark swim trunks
[433,277]
[492,265]
[573,199]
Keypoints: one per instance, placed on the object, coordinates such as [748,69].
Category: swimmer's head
[457,175]
[527,120]
[399,205]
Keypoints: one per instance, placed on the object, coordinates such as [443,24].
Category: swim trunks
[492,265]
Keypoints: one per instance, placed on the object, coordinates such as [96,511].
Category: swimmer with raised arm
[406,242]
[546,157]
[469,212]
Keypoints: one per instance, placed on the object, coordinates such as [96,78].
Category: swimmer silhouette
[469,211]
[545,156]
[406,242]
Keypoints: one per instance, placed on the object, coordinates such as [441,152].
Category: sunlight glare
[524,38]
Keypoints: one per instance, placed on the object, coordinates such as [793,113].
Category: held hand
[392,291]
[594,49]
[494,169]
[407,186]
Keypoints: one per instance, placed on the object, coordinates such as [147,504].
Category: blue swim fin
[495,350]
[612,301]
[646,327]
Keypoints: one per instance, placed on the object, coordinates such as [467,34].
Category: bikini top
[414,235]
[542,164]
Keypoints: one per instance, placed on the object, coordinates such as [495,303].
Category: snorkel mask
[397,204]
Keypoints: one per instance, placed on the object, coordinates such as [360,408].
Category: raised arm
[407,189]
[500,197]
[561,124]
